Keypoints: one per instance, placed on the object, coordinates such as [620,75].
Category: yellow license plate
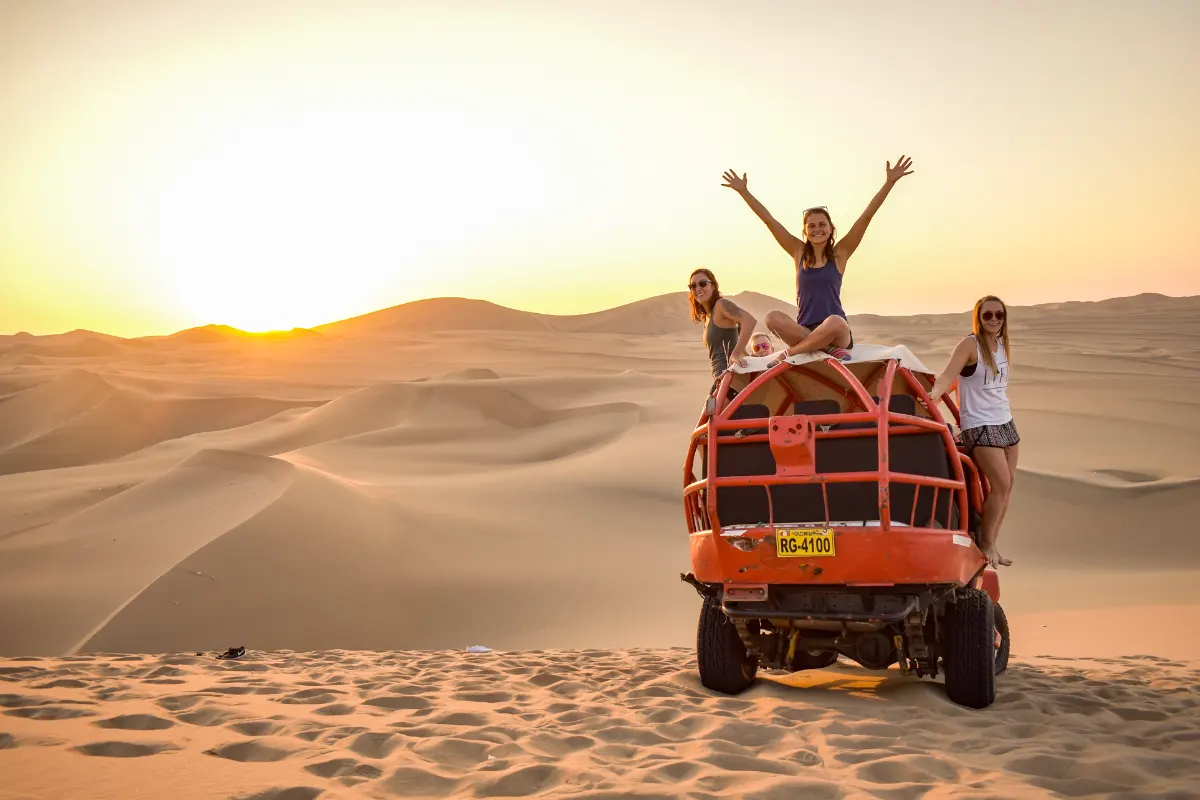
[804,542]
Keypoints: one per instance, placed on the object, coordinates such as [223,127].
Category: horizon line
[545,315]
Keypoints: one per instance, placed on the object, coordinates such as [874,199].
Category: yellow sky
[269,165]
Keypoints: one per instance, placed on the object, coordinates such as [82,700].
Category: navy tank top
[818,293]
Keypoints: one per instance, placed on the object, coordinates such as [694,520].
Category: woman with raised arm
[727,328]
[980,362]
[820,261]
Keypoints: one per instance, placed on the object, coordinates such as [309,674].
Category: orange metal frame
[899,555]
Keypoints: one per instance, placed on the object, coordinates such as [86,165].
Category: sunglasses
[987,316]
[761,347]
[700,284]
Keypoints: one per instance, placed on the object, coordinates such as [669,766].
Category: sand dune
[442,313]
[413,480]
[586,724]
[79,418]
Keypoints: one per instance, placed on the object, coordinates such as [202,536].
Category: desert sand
[358,503]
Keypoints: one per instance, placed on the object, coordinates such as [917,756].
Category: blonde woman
[980,362]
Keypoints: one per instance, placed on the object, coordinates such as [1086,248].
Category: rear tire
[725,666]
[1001,628]
[969,649]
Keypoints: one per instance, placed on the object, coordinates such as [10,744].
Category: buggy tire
[724,664]
[807,660]
[969,649]
[1001,621]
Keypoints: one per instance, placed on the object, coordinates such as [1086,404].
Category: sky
[269,165]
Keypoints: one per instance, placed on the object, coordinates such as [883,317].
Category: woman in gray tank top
[727,328]
[981,362]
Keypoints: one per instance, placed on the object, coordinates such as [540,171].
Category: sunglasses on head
[700,284]
[987,316]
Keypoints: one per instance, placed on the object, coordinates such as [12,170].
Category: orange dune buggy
[829,520]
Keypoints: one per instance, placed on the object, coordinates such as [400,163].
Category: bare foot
[994,558]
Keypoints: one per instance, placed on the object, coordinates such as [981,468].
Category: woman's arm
[786,240]
[963,353]
[850,242]
[727,315]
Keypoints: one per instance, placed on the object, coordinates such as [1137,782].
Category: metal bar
[758,610]
[837,477]
[885,393]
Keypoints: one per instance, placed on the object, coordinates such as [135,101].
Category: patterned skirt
[990,436]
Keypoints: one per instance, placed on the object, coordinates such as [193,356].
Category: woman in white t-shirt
[981,364]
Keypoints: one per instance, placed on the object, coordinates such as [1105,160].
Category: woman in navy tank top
[820,261]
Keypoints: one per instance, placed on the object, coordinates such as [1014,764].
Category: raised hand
[899,171]
[733,181]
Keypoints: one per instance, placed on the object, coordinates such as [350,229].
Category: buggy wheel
[969,649]
[821,660]
[725,666]
[1001,639]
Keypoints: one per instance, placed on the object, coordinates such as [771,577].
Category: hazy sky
[269,165]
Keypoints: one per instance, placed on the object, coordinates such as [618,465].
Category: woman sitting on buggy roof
[727,328]
[820,262]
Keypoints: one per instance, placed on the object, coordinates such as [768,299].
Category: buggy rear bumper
[829,607]
[863,557]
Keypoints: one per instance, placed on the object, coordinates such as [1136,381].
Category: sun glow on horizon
[271,167]
[302,218]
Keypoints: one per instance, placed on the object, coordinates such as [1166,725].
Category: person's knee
[775,319]
[1001,486]
[839,324]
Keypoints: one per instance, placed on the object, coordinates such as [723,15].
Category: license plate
[804,542]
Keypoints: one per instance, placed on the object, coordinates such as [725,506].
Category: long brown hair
[977,328]
[699,311]
[808,258]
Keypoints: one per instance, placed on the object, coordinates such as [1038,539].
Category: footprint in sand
[64,683]
[313,697]
[335,710]
[260,727]
[135,722]
[520,782]
[125,749]
[208,716]
[455,753]
[414,782]
[49,712]
[289,793]
[484,697]
[394,702]
[375,745]
[344,768]
[249,752]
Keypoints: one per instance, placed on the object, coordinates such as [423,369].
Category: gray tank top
[721,342]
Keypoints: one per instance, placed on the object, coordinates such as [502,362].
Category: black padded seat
[814,408]
[903,404]
[921,454]
[917,454]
